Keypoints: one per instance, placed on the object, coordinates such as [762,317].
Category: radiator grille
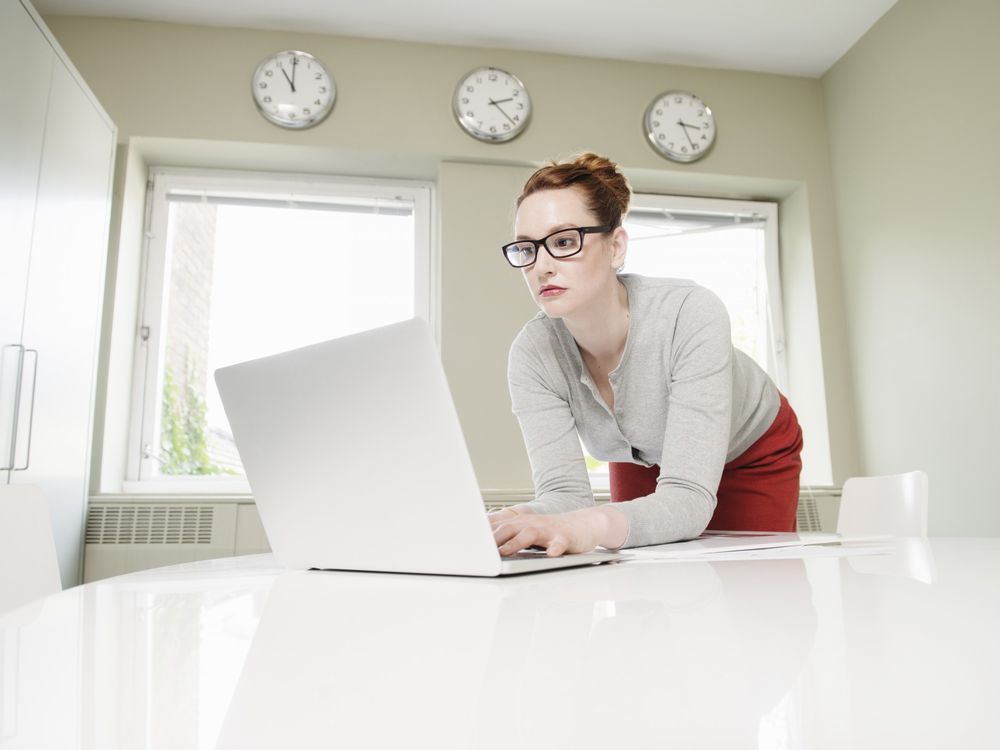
[149,524]
[807,515]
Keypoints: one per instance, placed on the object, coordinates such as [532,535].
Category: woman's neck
[602,330]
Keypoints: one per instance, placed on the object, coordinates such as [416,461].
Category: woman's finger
[523,539]
[507,530]
[557,546]
[500,516]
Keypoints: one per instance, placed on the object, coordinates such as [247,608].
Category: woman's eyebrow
[552,230]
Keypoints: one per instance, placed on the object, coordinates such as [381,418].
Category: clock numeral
[684,149]
[465,100]
[470,89]
[262,85]
[506,126]
[318,76]
[515,92]
[479,79]
[291,115]
[704,137]
[317,102]
[662,137]
[659,113]
[470,113]
[307,111]
[269,73]
[322,89]
[493,129]
[678,100]
[516,118]
[656,123]
[493,77]
[695,147]
[701,113]
[267,100]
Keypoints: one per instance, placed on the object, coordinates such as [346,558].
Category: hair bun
[595,163]
[607,191]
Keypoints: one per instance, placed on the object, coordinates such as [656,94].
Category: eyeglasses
[561,244]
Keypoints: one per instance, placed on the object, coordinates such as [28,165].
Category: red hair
[605,189]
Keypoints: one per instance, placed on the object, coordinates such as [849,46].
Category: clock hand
[681,123]
[501,101]
[512,122]
[290,81]
[685,125]
[295,64]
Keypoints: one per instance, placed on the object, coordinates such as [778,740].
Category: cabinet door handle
[31,410]
[15,402]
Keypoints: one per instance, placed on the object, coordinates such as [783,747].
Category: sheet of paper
[727,543]
[835,549]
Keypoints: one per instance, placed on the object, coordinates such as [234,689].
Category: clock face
[492,105]
[293,89]
[680,126]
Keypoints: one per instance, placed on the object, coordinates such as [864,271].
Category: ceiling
[792,37]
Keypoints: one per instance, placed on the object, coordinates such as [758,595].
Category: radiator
[125,537]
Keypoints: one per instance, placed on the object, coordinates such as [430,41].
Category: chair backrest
[29,568]
[895,505]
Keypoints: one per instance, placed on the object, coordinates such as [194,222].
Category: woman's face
[563,287]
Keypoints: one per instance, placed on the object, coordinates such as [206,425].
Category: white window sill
[187,486]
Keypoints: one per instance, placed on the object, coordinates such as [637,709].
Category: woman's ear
[619,247]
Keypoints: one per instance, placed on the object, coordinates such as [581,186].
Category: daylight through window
[241,268]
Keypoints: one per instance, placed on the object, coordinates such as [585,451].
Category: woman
[645,372]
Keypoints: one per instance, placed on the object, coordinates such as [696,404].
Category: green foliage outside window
[183,439]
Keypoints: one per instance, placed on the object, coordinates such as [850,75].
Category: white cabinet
[58,150]
[24,50]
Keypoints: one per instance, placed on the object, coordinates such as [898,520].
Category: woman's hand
[499,516]
[561,533]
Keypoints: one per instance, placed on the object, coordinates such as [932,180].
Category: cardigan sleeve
[540,401]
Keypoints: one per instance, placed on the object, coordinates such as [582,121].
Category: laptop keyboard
[525,554]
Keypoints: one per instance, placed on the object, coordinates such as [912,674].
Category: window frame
[757,211]
[150,341]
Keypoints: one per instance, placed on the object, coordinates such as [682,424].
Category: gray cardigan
[684,398]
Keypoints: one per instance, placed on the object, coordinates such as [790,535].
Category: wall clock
[293,89]
[491,105]
[679,126]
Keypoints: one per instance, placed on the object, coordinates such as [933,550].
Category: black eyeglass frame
[544,243]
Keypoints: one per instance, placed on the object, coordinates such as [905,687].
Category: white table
[888,651]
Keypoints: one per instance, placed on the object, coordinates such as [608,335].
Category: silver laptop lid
[355,456]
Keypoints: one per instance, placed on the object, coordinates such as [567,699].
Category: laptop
[356,459]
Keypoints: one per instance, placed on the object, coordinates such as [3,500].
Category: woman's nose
[544,263]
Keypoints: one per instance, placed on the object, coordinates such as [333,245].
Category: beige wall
[180,95]
[914,113]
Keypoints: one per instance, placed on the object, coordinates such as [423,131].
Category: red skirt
[759,489]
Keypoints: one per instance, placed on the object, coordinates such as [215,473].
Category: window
[730,247]
[245,265]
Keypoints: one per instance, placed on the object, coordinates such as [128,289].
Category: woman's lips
[550,291]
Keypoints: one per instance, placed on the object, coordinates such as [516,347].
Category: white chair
[29,568]
[894,505]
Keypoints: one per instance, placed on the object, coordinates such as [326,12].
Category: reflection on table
[876,651]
